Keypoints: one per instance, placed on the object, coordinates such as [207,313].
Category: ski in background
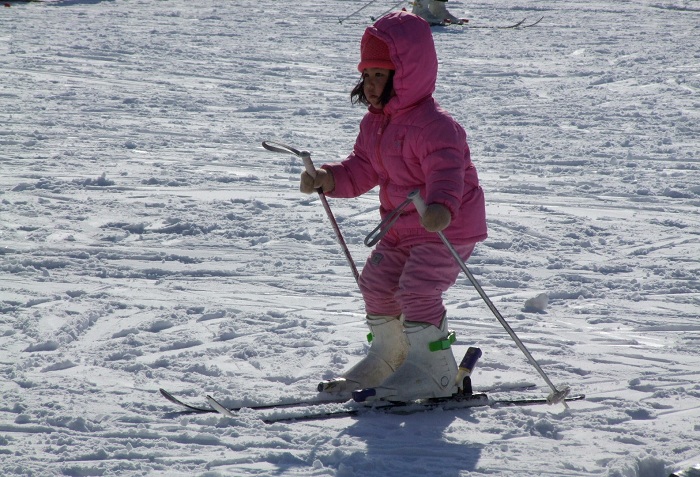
[693,471]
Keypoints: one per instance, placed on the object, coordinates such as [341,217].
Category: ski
[533,23]
[520,24]
[304,402]
[693,471]
[221,409]
[399,408]
[167,395]
[276,405]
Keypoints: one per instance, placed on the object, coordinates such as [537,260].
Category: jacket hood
[412,52]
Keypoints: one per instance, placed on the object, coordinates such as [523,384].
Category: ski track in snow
[147,240]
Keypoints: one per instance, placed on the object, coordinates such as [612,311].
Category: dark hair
[357,95]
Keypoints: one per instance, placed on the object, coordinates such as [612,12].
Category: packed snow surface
[147,240]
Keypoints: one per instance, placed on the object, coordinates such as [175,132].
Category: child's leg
[379,280]
[426,372]
[429,271]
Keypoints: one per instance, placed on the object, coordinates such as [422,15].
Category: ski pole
[341,20]
[311,170]
[556,395]
[390,10]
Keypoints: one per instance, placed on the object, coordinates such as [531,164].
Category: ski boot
[422,9]
[429,371]
[388,350]
[439,10]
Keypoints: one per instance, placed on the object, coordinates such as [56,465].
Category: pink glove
[323,179]
[436,218]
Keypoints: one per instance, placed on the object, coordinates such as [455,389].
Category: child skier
[435,12]
[406,142]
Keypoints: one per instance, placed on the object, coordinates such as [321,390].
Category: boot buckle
[442,345]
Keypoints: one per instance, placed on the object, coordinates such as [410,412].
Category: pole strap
[385,225]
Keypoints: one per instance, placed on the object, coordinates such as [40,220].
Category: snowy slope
[147,240]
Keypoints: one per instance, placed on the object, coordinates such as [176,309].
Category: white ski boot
[388,350]
[439,10]
[429,371]
[422,9]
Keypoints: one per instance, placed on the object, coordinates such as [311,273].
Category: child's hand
[436,218]
[323,179]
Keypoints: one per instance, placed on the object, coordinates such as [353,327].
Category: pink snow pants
[410,279]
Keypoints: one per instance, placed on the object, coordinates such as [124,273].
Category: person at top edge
[406,142]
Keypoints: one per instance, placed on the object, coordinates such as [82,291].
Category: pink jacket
[414,144]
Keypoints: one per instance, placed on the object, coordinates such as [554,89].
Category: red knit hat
[374,53]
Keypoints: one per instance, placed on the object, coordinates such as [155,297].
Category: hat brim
[384,64]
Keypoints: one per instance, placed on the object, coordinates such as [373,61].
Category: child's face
[375,80]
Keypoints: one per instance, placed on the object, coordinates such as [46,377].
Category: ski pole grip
[308,165]
[418,202]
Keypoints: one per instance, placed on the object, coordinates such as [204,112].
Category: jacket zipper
[380,133]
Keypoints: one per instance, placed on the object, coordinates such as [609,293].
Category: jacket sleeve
[444,159]
[355,175]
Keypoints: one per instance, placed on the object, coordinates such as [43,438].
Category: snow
[147,240]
